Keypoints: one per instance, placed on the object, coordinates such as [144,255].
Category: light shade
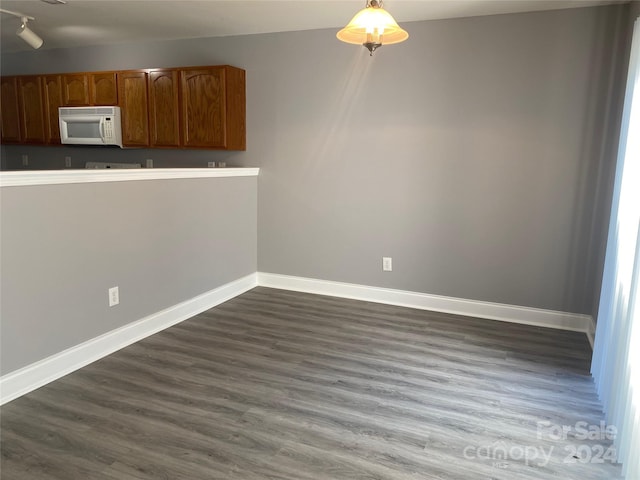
[372,27]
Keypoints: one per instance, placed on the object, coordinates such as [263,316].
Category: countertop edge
[59,177]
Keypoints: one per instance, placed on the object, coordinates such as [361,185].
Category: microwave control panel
[108,128]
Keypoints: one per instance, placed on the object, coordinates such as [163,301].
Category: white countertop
[57,177]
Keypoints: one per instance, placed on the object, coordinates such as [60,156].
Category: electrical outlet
[114,296]
[387,264]
[149,163]
[211,164]
[67,162]
[25,160]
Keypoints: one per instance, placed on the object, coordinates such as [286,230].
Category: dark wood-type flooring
[284,385]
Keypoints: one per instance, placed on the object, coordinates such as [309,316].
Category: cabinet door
[31,109]
[75,89]
[134,108]
[103,88]
[236,132]
[52,98]
[203,107]
[164,115]
[9,109]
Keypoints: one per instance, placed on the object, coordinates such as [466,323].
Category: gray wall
[161,241]
[478,154]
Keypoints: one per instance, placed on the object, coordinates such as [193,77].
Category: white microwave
[90,125]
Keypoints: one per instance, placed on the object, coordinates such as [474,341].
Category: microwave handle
[101,129]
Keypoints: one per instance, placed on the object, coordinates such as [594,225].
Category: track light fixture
[24,32]
[28,35]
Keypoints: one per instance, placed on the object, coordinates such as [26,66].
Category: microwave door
[83,130]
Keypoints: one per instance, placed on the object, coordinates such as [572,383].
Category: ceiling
[100,22]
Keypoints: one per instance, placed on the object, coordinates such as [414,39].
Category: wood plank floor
[284,385]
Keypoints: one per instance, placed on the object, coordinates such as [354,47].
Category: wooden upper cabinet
[9,109]
[194,107]
[236,112]
[52,98]
[31,109]
[203,107]
[213,107]
[103,88]
[86,89]
[164,108]
[75,89]
[134,108]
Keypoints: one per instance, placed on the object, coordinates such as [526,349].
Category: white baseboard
[459,306]
[24,380]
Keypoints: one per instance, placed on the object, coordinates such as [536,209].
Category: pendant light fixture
[372,27]
[24,32]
